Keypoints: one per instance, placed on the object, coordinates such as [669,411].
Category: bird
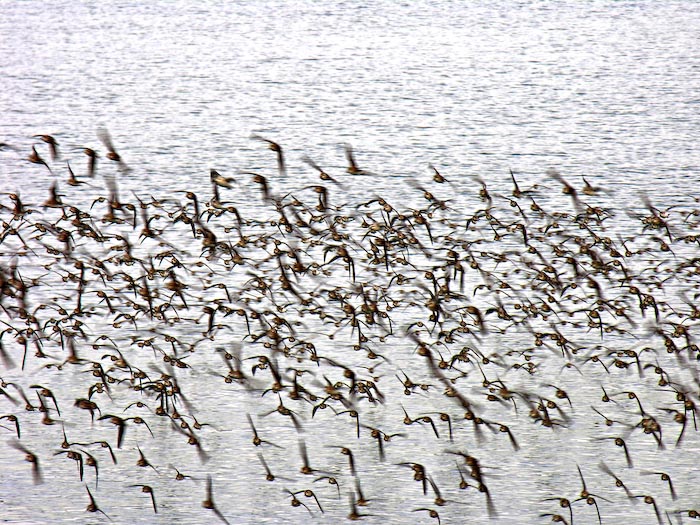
[310,494]
[53,145]
[35,158]
[219,180]
[147,489]
[281,167]
[92,506]
[257,441]
[32,458]
[321,172]
[13,419]
[112,154]
[437,176]
[72,179]
[352,165]
[120,423]
[54,200]
[92,161]
[431,512]
[208,503]
[317,291]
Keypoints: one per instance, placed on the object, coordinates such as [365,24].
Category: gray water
[603,90]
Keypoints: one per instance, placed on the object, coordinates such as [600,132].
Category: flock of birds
[411,342]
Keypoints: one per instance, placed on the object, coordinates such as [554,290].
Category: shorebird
[53,145]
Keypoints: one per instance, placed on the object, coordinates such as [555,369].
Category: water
[605,90]
[601,90]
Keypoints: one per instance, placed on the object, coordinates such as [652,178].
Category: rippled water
[605,90]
